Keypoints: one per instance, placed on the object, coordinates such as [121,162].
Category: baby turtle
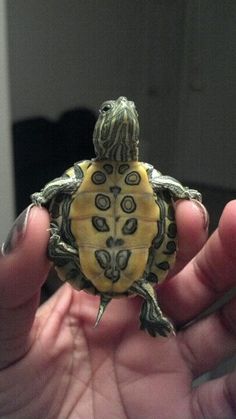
[113,230]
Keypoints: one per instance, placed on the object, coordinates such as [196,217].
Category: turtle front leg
[161,182]
[176,189]
[62,184]
[151,318]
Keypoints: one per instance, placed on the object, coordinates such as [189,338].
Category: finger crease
[205,278]
[227,322]
[229,397]
[188,353]
[196,406]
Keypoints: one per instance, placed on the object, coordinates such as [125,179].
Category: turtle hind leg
[151,318]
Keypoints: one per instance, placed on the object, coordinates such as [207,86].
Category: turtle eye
[105,108]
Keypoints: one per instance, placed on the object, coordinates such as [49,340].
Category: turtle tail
[102,307]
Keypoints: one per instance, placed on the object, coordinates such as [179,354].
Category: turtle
[112,230]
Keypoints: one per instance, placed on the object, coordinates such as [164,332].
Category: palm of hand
[112,371]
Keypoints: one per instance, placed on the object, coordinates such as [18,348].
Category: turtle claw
[38,199]
[54,233]
[158,327]
[54,239]
[193,194]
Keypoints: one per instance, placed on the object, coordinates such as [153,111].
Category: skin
[54,364]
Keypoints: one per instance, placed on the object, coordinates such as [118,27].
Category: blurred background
[175,59]
[60,60]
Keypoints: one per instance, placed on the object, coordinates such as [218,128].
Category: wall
[175,59]
[207,123]
[192,75]
[68,53]
[6,188]
[78,53]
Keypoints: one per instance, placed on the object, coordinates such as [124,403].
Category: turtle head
[116,133]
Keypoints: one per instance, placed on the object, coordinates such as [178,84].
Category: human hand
[56,365]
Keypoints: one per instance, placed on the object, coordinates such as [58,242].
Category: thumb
[23,269]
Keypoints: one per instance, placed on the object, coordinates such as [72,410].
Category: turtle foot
[38,199]
[157,327]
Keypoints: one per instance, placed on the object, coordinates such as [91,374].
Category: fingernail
[17,232]
[204,212]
